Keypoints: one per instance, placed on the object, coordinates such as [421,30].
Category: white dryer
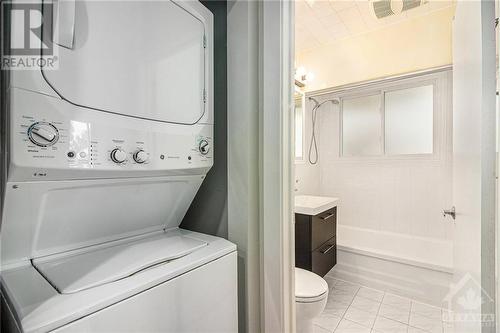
[106,153]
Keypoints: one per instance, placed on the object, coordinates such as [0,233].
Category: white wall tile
[397,196]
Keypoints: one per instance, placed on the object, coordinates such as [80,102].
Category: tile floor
[352,308]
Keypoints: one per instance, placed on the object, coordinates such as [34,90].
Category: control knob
[43,134]
[118,156]
[204,147]
[140,156]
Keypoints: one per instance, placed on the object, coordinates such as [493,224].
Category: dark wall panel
[208,212]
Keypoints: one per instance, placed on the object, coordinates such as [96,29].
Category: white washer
[106,153]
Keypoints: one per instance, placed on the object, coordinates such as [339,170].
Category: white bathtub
[419,251]
[418,267]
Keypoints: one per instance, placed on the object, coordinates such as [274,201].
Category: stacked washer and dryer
[105,155]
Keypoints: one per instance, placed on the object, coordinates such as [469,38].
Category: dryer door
[143,59]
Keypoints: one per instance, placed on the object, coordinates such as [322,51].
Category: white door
[143,59]
[472,295]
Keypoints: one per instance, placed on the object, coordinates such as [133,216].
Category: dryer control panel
[100,143]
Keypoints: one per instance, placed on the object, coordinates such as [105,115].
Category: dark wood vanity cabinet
[315,241]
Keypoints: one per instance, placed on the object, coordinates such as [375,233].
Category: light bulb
[309,77]
[300,71]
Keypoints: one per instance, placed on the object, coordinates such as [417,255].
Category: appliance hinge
[204,41]
[204,95]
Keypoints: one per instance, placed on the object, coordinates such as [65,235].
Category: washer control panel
[140,156]
[50,145]
[118,156]
[60,141]
[43,134]
[204,147]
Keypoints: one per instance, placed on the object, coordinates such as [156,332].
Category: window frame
[382,89]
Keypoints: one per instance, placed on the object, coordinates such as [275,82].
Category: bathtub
[418,267]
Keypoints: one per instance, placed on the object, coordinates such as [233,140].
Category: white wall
[243,156]
[393,195]
[411,45]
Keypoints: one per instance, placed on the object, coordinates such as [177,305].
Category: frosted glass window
[299,126]
[361,126]
[409,121]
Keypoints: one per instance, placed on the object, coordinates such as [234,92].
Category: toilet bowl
[311,294]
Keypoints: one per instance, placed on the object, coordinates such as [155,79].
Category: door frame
[260,108]
[276,166]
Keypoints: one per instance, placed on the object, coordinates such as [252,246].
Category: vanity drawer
[323,227]
[325,257]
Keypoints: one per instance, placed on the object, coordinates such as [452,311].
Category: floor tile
[319,329]
[343,296]
[327,321]
[365,304]
[396,301]
[399,314]
[385,325]
[347,286]
[426,323]
[426,310]
[447,315]
[352,308]
[335,308]
[360,317]
[448,327]
[415,330]
[347,326]
[330,281]
[373,294]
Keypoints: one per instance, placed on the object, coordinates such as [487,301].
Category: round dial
[118,156]
[43,134]
[140,156]
[204,147]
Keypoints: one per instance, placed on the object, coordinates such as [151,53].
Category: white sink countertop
[313,205]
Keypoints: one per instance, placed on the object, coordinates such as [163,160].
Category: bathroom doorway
[398,126]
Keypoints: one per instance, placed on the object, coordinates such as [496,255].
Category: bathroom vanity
[315,233]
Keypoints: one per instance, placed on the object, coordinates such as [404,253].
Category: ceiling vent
[384,8]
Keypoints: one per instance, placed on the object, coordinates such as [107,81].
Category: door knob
[450,212]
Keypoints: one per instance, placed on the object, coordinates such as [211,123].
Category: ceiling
[322,22]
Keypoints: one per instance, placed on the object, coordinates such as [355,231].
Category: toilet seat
[309,287]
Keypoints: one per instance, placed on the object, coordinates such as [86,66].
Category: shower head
[313,145]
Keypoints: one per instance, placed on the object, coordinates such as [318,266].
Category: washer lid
[308,285]
[73,273]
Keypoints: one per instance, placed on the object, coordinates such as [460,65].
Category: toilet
[311,294]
